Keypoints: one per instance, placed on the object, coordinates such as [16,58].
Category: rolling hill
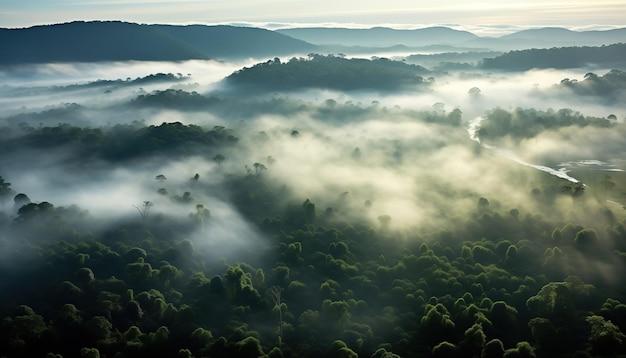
[379,36]
[385,37]
[330,72]
[559,58]
[557,34]
[94,41]
[223,41]
[120,41]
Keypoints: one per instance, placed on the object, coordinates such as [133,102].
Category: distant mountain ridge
[561,34]
[559,58]
[385,37]
[94,41]
[379,36]
[122,41]
[223,41]
[559,37]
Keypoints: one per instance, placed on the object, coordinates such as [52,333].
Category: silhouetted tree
[20,200]
[275,294]
[144,209]
[219,159]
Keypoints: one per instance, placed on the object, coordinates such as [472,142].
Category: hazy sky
[478,15]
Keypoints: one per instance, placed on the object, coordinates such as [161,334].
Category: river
[474,126]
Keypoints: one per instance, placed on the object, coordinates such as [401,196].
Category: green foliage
[474,341]
[123,142]
[444,350]
[89,353]
[586,241]
[436,324]
[249,347]
[172,98]
[99,328]
[239,286]
[563,57]
[340,349]
[493,349]
[608,87]
[522,350]
[319,71]
[557,300]
[544,333]
[528,123]
[201,338]
[605,338]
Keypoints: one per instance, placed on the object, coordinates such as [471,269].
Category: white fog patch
[227,235]
[102,192]
[363,143]
[385,161]
[37,87]
[60,74]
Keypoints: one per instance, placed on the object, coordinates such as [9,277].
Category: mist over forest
[314,204]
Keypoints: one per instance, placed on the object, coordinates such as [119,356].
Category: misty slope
[330,72]
[91,41]
[611,87]
[386,37]
[557,34]
[120,41]
[564,57]
[379,36]
[550,37]
[231,41]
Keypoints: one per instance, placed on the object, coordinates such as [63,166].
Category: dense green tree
[474,341]
[89,352]
[444,350]
[605,338]
[522,350]
[436,325]
[22,331]
[493,349]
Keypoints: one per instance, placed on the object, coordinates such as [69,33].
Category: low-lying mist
[384,148]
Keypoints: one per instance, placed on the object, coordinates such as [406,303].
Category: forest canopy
[332,72]
[498,278]
[321,206]
[562,57]
[610,87]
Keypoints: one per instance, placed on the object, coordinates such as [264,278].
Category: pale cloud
[393,13]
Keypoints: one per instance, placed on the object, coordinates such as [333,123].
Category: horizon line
[479,30]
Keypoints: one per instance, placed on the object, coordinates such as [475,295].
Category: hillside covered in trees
[332,72]
[609,87]
[81,41]
[562,57]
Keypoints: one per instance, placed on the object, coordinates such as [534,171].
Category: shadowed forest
[314,205]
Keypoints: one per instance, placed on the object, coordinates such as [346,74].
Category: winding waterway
[474,126]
